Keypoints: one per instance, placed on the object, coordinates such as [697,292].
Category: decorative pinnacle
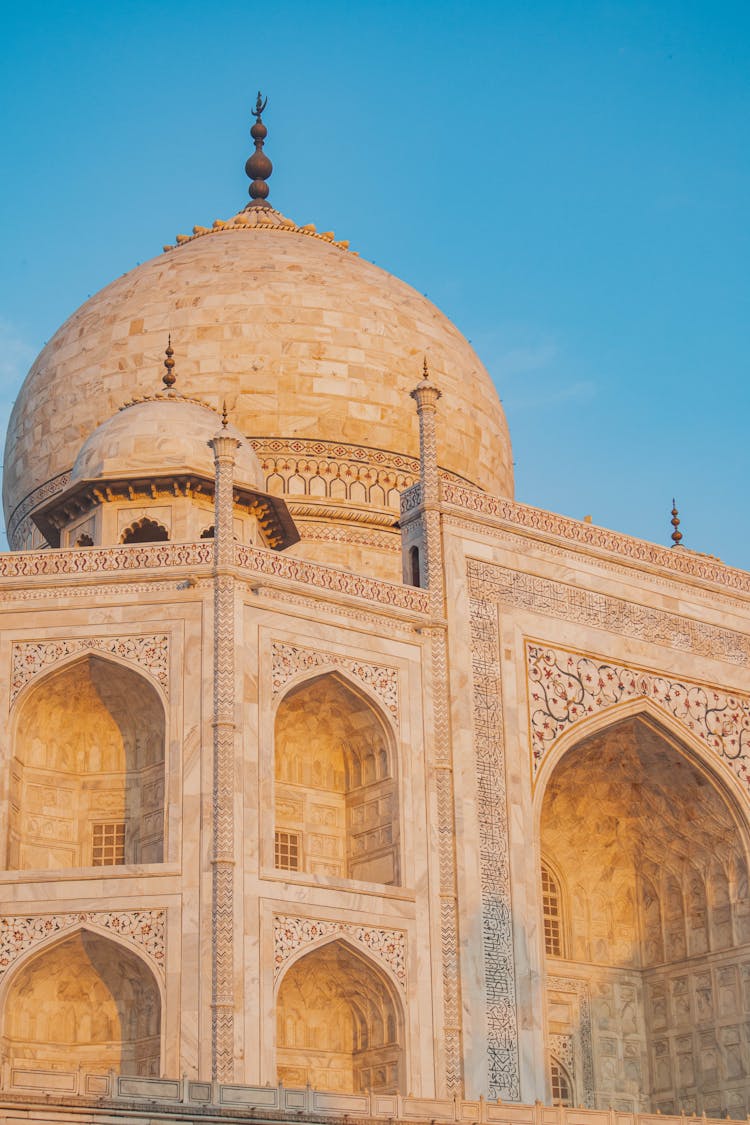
[224,416]
[676,535]
[425,394]
[258,166]
[169,378]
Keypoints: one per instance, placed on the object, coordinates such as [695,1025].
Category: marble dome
[161,435]
[301,337]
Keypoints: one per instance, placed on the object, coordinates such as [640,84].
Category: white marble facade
[301,787]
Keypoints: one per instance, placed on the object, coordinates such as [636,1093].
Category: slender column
[222,913]
[426,396]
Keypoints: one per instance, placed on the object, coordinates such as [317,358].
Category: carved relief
[151,653]
[616,615]
[290,934]
[497,932]
[565,688]
[578,1044]
[289,660]
[145,928]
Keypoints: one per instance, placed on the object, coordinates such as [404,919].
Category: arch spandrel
[570,694]
[142,652]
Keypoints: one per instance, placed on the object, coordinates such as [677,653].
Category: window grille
[553,934]
[108,844]
[287,850]
[562,1088]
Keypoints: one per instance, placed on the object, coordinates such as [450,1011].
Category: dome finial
[258,166]
[224,416]
[676,535]
[169,378]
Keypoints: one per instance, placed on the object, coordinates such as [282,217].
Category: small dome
[157,436]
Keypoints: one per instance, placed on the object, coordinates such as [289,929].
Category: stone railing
[105,561]
[281,1103]
[680,560]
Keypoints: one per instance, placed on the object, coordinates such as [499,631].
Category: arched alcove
[338,1024]
[647,843]
[336,799]
[86,1002]
[87,773]
[145,530]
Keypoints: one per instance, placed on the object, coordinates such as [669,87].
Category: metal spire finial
[425,369]
[258,166]
[169,378]
[676,535]
[224,416]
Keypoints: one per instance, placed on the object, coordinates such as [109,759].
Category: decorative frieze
[150,652]
[288,661]
[290,934]
[616,615]
[564,688]
[143,928]
[98,560]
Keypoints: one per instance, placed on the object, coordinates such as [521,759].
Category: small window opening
[414,568]
[562,1087]
[108,844]
[287,850]
[145,531]
[553,943]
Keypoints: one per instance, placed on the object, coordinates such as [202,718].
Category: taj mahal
[334,783]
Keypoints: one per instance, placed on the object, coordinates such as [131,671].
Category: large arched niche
[650,845]
[339,1024]
[87,769]
[83,1002]
[336,793]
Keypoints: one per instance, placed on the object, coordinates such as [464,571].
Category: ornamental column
[222,856]
[422,544]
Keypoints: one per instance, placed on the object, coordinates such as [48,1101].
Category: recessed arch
[684,741]
[336,790]
[145,530]
[87,767]
[83,1000]
[339,1021]
[647,830]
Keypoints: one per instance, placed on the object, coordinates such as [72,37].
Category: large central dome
[312,348]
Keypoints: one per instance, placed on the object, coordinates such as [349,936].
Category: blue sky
[569,182]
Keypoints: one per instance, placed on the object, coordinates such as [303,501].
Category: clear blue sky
[569,182]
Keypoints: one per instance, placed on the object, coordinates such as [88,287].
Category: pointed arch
[87,767]
[340,1022]
[83,999]
[336,780]
[636,813]
[683,741]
